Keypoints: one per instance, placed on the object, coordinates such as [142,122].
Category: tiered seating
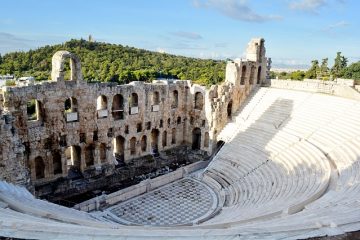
[290,169]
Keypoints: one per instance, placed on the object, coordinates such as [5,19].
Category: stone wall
[84,125]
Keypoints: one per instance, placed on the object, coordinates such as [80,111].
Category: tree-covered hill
[111,62]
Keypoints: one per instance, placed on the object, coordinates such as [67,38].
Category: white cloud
[187,35]
[340,24]
[307,5]
[235,9]
[311,6]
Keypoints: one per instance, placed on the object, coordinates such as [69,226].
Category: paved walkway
[182,202]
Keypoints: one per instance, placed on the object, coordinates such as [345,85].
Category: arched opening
[60,66]
[154,138]
[101,106]
[173,136]
[117,108]
[143,143]
[243,75]
[134,104]
[219,145]
[178,121]
[252,75]
[259,75]
[155,101]
[199,101]
[119,148]
[89,155]
[102,152]
[169,121]
[57,165]
[133,146]
[175,99]
[196,139]
[206,140]
[39,168]
[34,110]
[71,108]
[164,139]
[229,110]
[73,157]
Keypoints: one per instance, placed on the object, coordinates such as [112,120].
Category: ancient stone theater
[251,158]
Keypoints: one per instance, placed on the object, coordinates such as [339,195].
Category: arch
[243,75]
[206,140]
[39,168]
[134,104]
[73,157]
[57,163]
[133,146]
[259,75]
[199,101]
[101,102]
[164,139]
[196,139]
[252,75]
[155,98]
[144,143]
[117,107]
[34,110]
[58,66]
[134,100]
[71,105]
[173,136]
[119,148]
[102,152]
[89,155]
[154,138]
[229,109]
[175,99]
[178,121]
[219,145]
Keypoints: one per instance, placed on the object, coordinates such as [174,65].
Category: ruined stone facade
[92,125]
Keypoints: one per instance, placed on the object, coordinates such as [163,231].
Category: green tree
[352,71]
[313,71]
[340,64]
[324,69]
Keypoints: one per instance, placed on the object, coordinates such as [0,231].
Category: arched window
[173,136]
[39,168]
[102,152]
[164,139]
[119,148]
[154,138]
[101,106]
[133,146]
[156,98]
[243,75]
[57,165]
[229,110]
[89,155]
[178,120]
[73,157]
[71,108]
[143,143]
[206,140]
[34,110]
[196,139]
[175,99]
[117,108]
[252,75]
[259,75]
[134,104]
[62,69]
[199,101]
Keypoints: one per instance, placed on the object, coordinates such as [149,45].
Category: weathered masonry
[50,127]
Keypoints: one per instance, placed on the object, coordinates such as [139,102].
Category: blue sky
[295,31]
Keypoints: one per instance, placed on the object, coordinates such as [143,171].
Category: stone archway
[119,148]
[58,62]
[196,139]
[229,110]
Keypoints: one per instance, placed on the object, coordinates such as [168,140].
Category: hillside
[114,63]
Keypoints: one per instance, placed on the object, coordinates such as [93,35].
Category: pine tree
[314,70]
[340,64]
